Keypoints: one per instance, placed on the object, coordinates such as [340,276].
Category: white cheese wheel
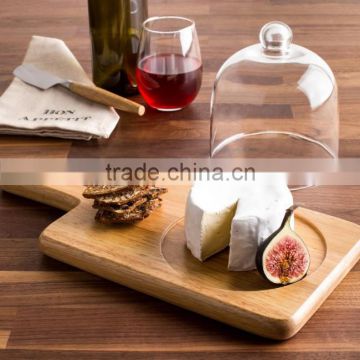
[239,214]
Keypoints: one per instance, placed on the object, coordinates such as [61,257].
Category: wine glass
[169,67]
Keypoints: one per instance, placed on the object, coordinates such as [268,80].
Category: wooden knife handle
[106,98]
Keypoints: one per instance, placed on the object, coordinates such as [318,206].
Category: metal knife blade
[44,80]
[34,76]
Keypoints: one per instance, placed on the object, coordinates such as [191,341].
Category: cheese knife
[44,80]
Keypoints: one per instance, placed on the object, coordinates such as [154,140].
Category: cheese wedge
[259,213]
[210,209]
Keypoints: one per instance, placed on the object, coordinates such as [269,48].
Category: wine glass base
[168,110]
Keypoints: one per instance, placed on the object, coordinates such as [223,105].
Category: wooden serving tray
[151,257]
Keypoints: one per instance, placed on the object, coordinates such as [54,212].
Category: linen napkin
[56,112]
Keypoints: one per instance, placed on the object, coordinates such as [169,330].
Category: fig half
[283,257]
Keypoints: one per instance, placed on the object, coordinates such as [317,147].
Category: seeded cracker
[95,191]
[140,213]
[124,204]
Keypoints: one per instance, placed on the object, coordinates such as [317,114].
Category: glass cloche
[275,99]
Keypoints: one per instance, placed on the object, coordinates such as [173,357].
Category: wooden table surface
[329,27]
[49,310]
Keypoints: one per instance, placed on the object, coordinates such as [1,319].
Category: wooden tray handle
[62,197]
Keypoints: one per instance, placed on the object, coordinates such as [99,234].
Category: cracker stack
[123,204]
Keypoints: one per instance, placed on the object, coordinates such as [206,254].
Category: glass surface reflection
[275,99]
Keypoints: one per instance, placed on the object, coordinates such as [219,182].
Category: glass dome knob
[276,37]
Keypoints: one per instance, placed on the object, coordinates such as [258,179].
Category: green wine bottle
[115,27]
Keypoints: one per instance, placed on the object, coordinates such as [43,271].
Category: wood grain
[152,258]
[106,98]
[117,322]
[329,27]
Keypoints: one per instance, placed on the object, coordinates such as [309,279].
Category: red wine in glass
[169,81]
